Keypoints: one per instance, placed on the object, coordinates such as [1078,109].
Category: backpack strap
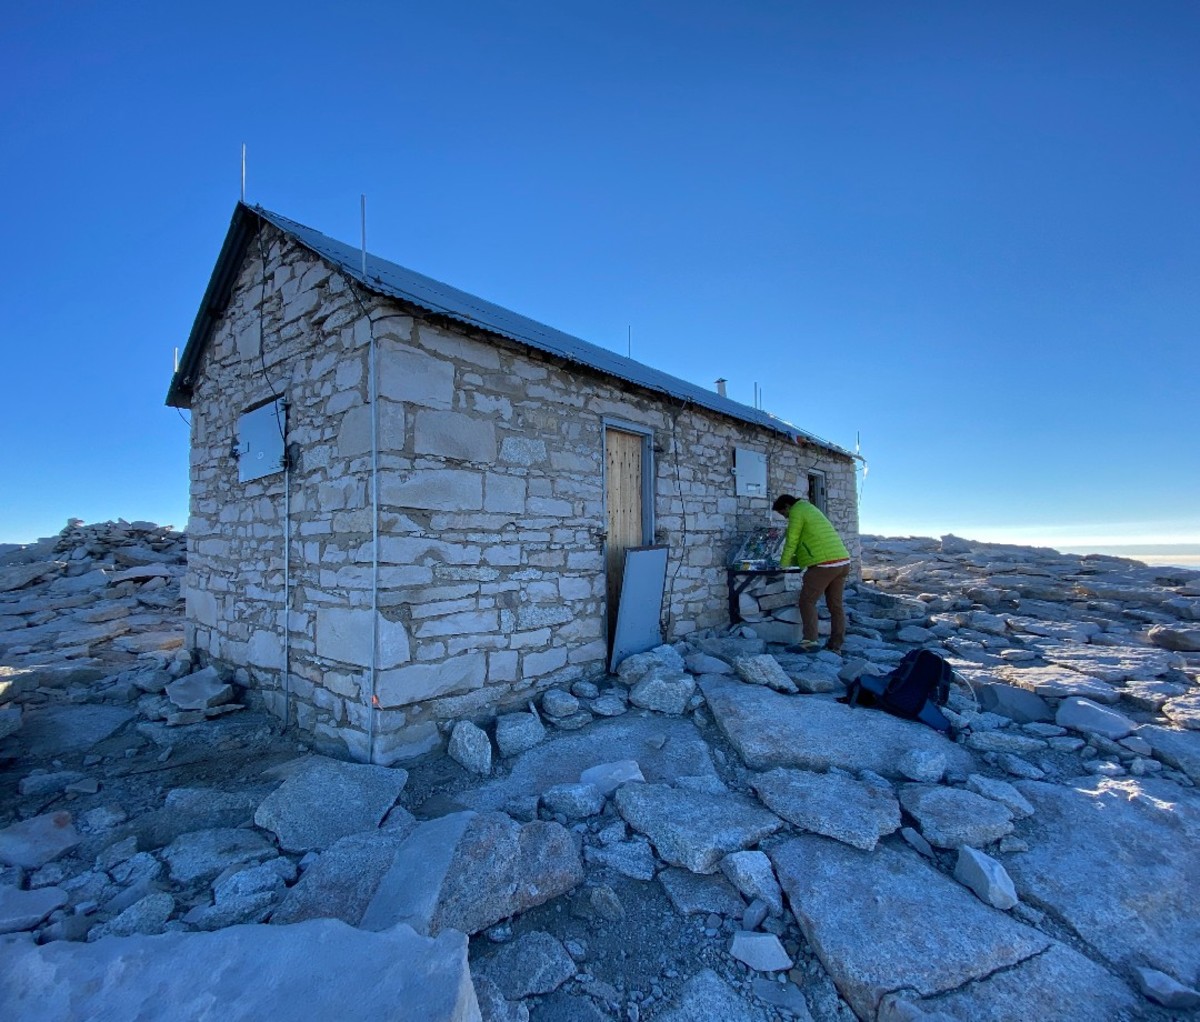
[930,714]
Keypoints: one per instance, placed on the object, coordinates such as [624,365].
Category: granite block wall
[491,510]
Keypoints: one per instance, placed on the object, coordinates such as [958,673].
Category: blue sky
[968,232]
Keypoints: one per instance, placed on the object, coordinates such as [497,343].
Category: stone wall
[491,570]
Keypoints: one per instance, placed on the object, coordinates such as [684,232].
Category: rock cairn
[706,834]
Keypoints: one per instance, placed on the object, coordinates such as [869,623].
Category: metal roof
[387,278]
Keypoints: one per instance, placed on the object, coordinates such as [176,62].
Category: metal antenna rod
[243,173]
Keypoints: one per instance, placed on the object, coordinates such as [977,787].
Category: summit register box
[756,555]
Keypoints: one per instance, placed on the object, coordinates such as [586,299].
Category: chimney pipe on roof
[721,386]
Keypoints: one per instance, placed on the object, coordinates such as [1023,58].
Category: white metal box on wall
[750,473]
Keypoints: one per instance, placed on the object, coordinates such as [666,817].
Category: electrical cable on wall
[373,703]
[287,484]
[675,413]
[262,356]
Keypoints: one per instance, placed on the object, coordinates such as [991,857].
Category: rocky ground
[707,835]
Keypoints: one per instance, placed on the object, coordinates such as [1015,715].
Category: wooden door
[623,497]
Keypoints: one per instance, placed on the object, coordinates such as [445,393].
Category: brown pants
[829,582]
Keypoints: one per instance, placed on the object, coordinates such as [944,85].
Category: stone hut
[409,505]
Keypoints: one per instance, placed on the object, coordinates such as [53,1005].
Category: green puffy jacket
[810,539]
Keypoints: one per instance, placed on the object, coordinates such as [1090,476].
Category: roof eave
[246,222]
[242,227]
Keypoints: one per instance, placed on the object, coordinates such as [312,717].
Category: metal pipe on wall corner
[372,376]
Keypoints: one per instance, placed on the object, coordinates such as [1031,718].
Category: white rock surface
[702,663]
[1112,866]
[535,963]
[1056,682]
[557,703]
[832,804]
[986,877]
[1179,640]
[201,690]
[633,668]
[872,916]
[309,972]
[761,951]
[1176,747]
[950,817]
[1001,791]
[574,801]
[471,748]
[663,749]
[607,777]
[763,669]
[695,893]
[147,915]
[1114,665]
[1166,990]
[693,829]
[769,729]
[467,871]
[663,689]
[202,855]
[327,799]
[342,881]
[23,910]
[706,997]
[752,874]
[37,841]
[1081,835]
[1019,704]
[517,732]
[925,765]
[634,859]
[1084,715]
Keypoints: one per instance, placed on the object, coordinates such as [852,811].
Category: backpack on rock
[915,690]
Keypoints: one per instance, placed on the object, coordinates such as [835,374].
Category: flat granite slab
[316,970]
[885,922]
[62,730]
[694,829]
[665,749]
[1176,747]
[770,729]
[1118,860]
[1113,664]
[1058,682]
[1060,985]
[327,799]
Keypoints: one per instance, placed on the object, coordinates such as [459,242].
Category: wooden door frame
[648,490]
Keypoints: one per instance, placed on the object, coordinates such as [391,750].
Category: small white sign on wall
[750,473]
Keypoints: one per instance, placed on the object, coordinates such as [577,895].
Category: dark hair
[783,503]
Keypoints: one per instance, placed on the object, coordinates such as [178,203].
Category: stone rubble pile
[707,834]
[76,606]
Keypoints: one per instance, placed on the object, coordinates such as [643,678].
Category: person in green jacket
[813,545]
